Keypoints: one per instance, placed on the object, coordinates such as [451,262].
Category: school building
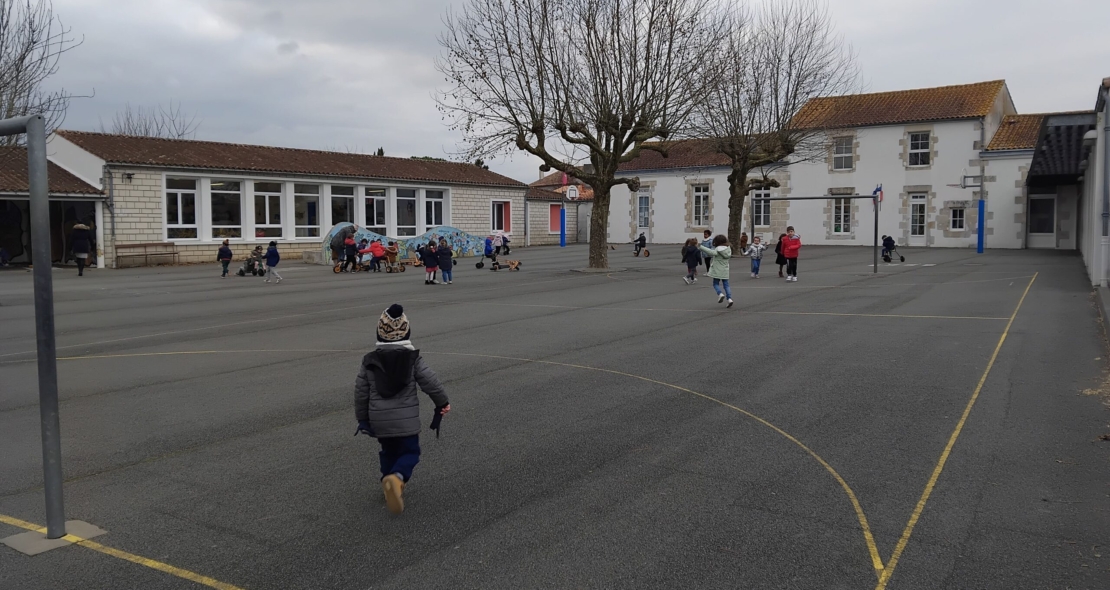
[936,152]
[155,200]
[547,198]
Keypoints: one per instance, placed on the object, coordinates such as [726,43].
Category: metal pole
[44,327]
[982,224]
[563,226]
[875,249]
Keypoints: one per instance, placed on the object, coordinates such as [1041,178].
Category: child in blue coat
[272,260]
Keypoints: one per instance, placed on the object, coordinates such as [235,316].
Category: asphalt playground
[934,426]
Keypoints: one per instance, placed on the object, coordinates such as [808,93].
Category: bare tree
[169,122]
[781,56]
[577,82]
[32,41]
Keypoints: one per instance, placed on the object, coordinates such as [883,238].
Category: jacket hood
[392,367]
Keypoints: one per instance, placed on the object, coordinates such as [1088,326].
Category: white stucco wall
[880,158]
[1004,184]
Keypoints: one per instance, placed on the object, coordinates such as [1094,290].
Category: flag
[878,194]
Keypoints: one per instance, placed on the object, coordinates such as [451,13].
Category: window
[958,219]
[919,149]
[433,209]
[227,209]
[842,216]
[554,218]
[842,153]
[761,208]
[501,216]
[267,209]
[701,205]
[375,210]
[406,212]
[643,208]
[181,209]
[917,215]
[342,204]
[306,210]
[1042,215]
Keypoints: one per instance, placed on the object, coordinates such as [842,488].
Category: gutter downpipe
[1105,180]
[111,203]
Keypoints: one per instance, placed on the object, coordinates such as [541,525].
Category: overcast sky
[358,74]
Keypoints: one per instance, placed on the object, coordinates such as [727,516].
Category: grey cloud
[288,47]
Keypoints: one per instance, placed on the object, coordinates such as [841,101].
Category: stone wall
[471,209]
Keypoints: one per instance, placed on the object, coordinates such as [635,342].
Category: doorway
[1042,222]
[918,223]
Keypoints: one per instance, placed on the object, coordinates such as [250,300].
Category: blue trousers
[717,287]
[755,265]
[447,273]
[399,455]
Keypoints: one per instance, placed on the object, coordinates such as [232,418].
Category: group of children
[437,257]
[271,258]
[716,253]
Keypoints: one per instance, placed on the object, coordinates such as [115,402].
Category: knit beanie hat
[393,326]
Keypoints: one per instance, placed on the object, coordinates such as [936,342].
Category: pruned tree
[780,57]
[32,42]
[576,82]
[481,164]
[170,122]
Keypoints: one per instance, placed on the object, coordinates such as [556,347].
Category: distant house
[194,194]
[72,201]
[547,197]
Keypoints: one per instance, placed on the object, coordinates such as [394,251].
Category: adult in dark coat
[338,241]
[81,242]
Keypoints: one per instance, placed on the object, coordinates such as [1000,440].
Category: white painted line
[928,265]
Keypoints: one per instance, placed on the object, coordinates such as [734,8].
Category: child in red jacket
[791,244]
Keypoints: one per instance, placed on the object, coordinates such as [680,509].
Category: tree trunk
[599,229]
[737,194]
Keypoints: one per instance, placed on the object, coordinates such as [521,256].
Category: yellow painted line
[869,539]
[143,561]
[888,571]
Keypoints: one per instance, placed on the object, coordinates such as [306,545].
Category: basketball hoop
[572,193]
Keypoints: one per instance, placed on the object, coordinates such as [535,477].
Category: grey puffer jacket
[385,390]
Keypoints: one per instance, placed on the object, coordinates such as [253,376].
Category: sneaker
[450,282]
[687,280]
[393,486]
[427,282]
[279,280]
[756,276]
[720,298]
[695,279]
[729,303]
[794,279]
[753,275]
[266,281]
[435,282]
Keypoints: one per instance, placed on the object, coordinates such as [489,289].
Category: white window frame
[297,227]
[761,207]
[351,199]
[378,200]
[962,218]
[919,199]
[213,228]
[493,218]
[643,208]
[923,153]
[700,206]
[267,195]
[178,194]
[397,227]
[842,216]
[839,155]
[432,206]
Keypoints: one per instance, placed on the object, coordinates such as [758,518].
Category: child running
[272,260]
[386,404]
[431,263]
[691,255]
[791,244]
[755,251]
[719,254]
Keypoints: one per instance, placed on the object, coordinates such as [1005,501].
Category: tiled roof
[694,153]
[535,193]
[211,155]
[967,101]
[1017,132]
[556,179]
[13,175]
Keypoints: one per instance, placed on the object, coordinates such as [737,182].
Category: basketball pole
[875,248]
